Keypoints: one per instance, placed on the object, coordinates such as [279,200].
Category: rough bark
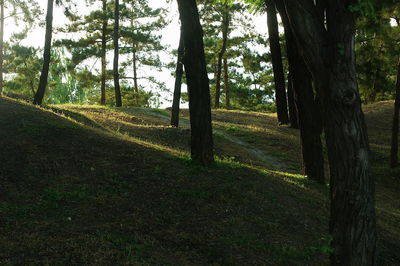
[178,84]
[226,84]
[198,83]
[395,129]
[310,122]
[276,55]
[118,100]
[1,45]
[46,55]
[330,56]
[293,116]
[103,53]
[225,29]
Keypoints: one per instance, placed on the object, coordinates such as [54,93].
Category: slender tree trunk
[226,84]
[118,100]
[279,77]
[103,54]
[225,29]
[178,84]
[198,83]
[135,77]
[294,120]
[395,130]
[330,56]
[1,45]
[46,55]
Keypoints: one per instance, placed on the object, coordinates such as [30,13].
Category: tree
[293,116]
[279,77]
[198,83]
[139,27]
[118,99]
[103,52]
[395,129]
[225,32]
[330,57]
[1,45]
[178,84]
[307,105]
[226,84]
[377,42]
[219,19]
[19,8]
[24,65]
[46,55]
[95,33]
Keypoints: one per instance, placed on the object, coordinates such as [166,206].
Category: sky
[170,36]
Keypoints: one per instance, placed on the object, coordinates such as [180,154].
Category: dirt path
[270,161]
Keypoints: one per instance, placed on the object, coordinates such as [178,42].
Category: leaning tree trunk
[118,100]
[198,83]
[395,130]
[103,53]
[276,55]
[226,85]
[225,29]
[46,55]
[178,84]
[330,56]
[293,116]
[1,45]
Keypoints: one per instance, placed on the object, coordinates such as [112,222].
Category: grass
[100,186]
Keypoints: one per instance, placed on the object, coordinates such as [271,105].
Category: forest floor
[91,185]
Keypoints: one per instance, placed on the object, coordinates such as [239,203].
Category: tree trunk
[178,84]
[276,55]
[395,130]
[309,118]
[198,83]
[294,120]
[46,55]
[330,57]
[103,54]
[1,45]
[226,84]
[135,77]
[225,29]
[118,100]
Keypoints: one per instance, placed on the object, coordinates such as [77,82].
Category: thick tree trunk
[293,116]
[178,84]
[46,55]
[330,57]
[198,83]
[395,130]
[276,55]
[103,53]
[118,100]
[225,29]
[1,45]
[226,84]
[308,112]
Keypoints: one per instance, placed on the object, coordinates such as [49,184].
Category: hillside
[99,186]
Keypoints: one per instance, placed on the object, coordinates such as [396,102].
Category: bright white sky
[170,35]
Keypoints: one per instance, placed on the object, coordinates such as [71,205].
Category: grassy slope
[118,187]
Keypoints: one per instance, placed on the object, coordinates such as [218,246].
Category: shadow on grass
[85,197]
